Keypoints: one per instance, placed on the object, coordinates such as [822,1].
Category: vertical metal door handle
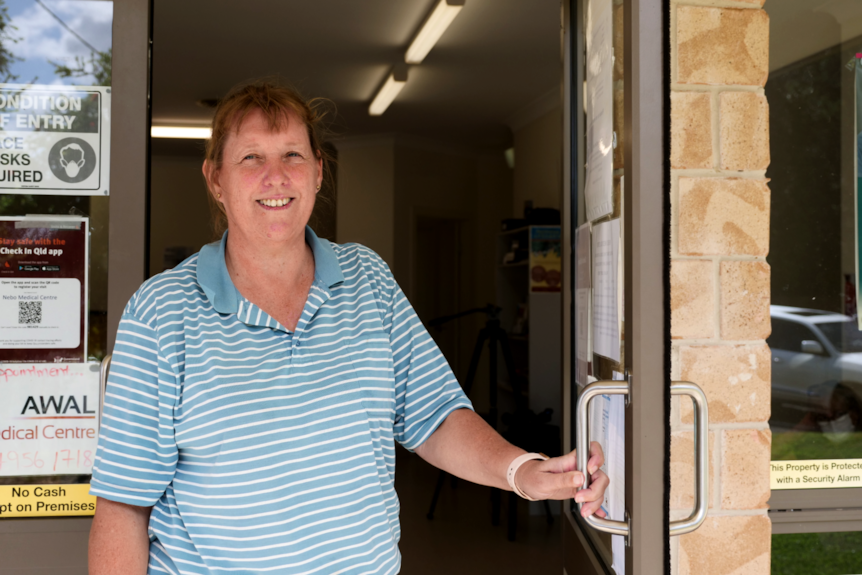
[583,446]
[104,368]
[701,457]
[701,452]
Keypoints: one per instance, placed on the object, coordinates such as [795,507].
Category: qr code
[29,312]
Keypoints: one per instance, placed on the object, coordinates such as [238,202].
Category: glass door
[73,163]
[616,226]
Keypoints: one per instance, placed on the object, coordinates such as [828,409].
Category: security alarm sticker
[816,474]
[43,288]
[54,139]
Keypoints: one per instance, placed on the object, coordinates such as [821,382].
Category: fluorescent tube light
[388,91]
[180,132]
[432,29]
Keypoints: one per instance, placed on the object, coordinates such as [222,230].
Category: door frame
[646,224]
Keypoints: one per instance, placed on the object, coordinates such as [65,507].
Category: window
[815,99]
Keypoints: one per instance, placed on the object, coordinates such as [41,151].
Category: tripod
[494,335]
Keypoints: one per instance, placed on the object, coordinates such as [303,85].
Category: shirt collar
[219,289]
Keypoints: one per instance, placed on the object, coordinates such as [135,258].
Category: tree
[97,64]
[7,38]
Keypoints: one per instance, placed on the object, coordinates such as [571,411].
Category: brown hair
[277,101]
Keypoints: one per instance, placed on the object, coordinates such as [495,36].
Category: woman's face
[268,180]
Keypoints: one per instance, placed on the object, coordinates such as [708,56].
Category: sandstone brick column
[720,278]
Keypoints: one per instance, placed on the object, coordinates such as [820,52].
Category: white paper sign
[599,193]
[55,139]
[606,295]
[49,418]
[40,313]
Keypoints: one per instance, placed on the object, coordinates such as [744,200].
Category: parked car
[816,370]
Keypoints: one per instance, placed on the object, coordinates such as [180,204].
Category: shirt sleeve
[137,454]
[426,390]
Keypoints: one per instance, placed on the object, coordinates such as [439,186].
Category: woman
[257,389]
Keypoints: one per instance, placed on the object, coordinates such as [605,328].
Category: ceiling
[497,60]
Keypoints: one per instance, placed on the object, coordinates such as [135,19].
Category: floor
[460,539]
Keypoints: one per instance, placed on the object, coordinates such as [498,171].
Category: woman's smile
[275,203]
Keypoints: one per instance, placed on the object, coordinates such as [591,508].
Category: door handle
[104,368]
[701,457]
[609,387]
[701,452]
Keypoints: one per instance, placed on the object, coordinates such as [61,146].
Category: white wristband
[513,469]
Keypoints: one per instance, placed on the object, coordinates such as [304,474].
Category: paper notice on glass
[43,288]
[606,295]
[49,418]
[616,470]
[599,193]
[583,295]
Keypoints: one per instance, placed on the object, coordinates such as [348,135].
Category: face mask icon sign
[72,159]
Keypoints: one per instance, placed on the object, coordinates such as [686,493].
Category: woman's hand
[558,478]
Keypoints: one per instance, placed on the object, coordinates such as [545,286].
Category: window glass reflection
[813,91]
[56,42]
[821,553]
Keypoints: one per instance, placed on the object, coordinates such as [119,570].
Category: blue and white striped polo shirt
[261,449]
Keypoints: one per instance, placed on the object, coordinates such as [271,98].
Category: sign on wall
[43,288]
[54,140]
[546,262]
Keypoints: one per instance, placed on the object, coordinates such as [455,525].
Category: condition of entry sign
[54,139]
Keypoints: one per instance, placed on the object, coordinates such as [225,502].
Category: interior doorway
[474,136]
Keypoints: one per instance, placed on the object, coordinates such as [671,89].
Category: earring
[219,197]
[318,188]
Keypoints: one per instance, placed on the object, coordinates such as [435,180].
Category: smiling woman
[273,109]
[257,389]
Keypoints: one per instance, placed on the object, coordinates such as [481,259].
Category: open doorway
[474,137]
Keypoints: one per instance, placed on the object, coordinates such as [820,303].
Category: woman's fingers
[597,457]
[542,484]
[569,462]
[593,496]
[563,464]
[558,478]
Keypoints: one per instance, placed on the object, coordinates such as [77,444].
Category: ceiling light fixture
[180,132]
[390,88]
[432,29]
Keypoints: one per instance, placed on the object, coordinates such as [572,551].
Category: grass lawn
[820,553]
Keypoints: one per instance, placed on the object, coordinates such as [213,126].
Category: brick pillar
[720,278]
